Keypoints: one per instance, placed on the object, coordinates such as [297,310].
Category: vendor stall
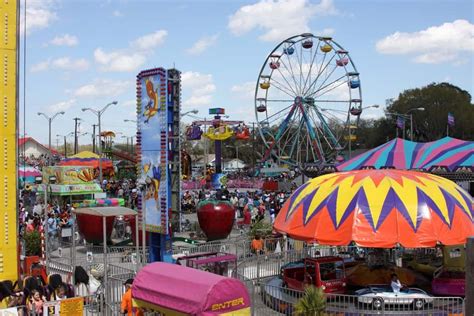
[177,290]
[73,184]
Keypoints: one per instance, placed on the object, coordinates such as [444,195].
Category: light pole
[99,113]
[65,142]
[407,115]
[50,120]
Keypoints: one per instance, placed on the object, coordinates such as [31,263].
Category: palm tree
[313,302]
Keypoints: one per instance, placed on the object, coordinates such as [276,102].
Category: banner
[70,174]
[73,189]
[153,142]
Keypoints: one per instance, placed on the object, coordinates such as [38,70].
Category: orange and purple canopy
[378,208]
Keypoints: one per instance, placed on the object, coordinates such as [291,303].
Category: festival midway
[257,157]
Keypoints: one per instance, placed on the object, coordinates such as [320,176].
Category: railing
[271,298]
[283,300]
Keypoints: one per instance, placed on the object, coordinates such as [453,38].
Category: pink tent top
[189,291]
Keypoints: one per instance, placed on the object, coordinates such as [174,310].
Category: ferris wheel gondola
[307,94]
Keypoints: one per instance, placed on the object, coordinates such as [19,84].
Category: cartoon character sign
[152,116]
[151,108]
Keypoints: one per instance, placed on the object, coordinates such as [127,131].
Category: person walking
[126,306]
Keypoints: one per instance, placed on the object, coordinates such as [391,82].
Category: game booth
[176,290]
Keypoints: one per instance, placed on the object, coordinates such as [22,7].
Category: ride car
[380,296]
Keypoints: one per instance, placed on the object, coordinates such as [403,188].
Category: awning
[106,211]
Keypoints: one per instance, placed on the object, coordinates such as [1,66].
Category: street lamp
[50,120]
[407,115]
[189,112]
[99,113]
[131,121]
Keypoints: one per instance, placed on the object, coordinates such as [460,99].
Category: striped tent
[404,154]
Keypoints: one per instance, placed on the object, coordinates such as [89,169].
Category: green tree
[313,302]
[438,99]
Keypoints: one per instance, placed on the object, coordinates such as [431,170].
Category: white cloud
[200,88]
[66,63]
[244,91]
[119,61]
[103,87]
[63,63]
[132,58]
[61,106]
[65,40]
[436,44]
[42,66]
[202,44]
[129,103]
[278,18]
[327,32]
[39,15]
[117,13]
[149,41]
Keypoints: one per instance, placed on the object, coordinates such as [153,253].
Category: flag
[400,122]
[450,119]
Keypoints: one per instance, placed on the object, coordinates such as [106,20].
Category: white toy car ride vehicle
[378,296]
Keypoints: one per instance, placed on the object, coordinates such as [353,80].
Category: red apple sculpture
[91,227]
[216,218]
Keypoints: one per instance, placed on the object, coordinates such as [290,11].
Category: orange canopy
[378,208]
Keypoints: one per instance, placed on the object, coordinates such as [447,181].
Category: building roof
[23,140]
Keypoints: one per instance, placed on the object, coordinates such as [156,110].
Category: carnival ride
[193,292]
[388,213]
[307,95]
[217,130]
[9,256]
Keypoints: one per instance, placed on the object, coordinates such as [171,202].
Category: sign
[66,307]
[70,174]
[72,189]
[152,121]
[72,306]
[352,137]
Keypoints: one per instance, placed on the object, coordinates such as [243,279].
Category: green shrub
[313,302]
[32,243]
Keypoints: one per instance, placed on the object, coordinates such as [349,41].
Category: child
[36,302]
[60,293]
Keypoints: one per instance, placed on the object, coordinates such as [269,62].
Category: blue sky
[88,53]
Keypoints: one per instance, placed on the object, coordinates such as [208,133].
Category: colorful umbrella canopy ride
[380,209]
[404,154]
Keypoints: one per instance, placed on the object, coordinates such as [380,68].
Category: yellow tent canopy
[85,154]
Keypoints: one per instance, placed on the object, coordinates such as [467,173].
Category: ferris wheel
[307,99]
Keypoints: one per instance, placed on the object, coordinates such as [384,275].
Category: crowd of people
[29,295]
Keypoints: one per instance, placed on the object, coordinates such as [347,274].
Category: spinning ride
[308,92]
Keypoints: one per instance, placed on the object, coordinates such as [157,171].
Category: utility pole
[93,137]
[76,120]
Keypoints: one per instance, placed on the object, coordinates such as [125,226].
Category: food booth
[175,290]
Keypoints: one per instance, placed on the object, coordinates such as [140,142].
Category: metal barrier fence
[275,299]
[240,248]
[271,299]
